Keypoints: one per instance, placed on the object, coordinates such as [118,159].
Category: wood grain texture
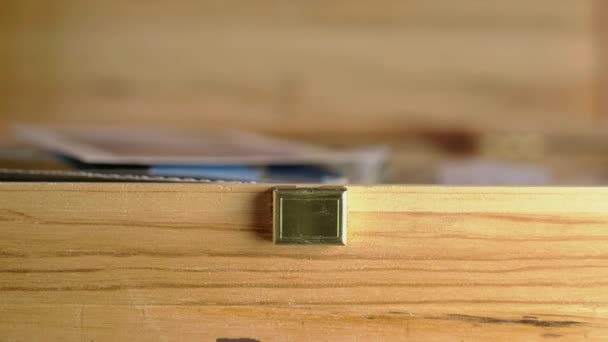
[188,262]
[346,67]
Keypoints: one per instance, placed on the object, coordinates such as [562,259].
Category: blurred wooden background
[306,66]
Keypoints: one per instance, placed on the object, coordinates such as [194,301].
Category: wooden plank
[352,66]
[190,262]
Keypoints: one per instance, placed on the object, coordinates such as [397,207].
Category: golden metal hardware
[309,215]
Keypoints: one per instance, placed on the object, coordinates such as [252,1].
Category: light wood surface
[303,66]
[186,262]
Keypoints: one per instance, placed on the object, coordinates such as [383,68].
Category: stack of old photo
[103,153]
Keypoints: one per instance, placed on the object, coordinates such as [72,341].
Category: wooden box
[176,262]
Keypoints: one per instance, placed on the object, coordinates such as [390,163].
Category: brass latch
[309,215]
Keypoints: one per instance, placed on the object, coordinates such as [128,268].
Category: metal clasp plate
[309,215]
